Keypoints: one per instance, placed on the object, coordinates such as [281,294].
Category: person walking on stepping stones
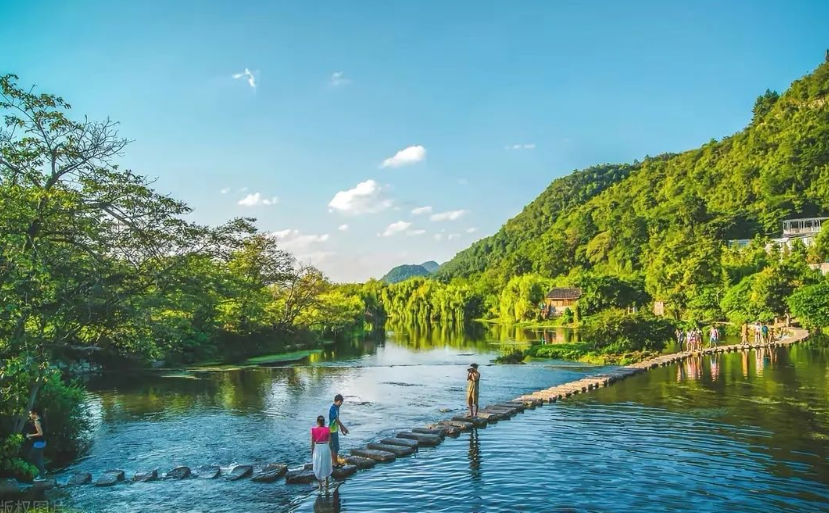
[336,426]
[473,380]
[321,453]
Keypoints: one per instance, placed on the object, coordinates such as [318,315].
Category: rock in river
[208,472]
[344,471]
[421,439]
[381,456]
[178,473]
[239,472]
[361,463]
[300,476]
[394,449]
[403,442]
[270,473]
[110,478]
[9,488]
[79,478]
[144,477]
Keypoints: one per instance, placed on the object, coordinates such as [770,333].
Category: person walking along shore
[321,453]
[335,427]
[36,434]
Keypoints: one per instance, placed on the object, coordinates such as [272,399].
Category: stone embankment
[404,443]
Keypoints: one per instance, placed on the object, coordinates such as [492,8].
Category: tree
[811,305]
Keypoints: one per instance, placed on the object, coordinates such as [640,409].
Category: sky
[365,135]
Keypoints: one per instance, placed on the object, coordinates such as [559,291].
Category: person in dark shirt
[36,435]
[336,426]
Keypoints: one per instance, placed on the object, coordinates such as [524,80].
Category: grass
[293,356]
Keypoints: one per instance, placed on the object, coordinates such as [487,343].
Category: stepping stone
[518,405]
[360,463]
[446,429]
[344,471]
[381,456]
[42,486]
[514,408]
[144,477]
[9,488]
[424,440]
[300,476]
[79,478]
[110,478]
[208,472]
[463,426]
[430,431]
[403,442]
[394,449]
[271,473]
[475,421]
[239,472]
[178,473]
[491,417]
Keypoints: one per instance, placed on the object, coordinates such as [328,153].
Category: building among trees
[560,299]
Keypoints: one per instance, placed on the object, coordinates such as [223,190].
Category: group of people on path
[692,339]
[325,440]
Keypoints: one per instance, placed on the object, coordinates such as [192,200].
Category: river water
[737,432]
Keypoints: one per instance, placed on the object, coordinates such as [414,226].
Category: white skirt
[322,461]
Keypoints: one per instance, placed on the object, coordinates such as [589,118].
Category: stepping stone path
[406,442]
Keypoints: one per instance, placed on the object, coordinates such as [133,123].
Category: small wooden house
[560,299]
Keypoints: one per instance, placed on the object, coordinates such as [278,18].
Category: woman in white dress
[321,453]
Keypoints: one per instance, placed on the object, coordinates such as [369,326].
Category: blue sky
[364,111]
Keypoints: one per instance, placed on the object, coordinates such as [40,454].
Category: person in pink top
[321,453]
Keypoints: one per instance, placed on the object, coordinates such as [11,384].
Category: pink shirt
[320,434]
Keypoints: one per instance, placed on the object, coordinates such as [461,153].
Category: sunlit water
[739,432]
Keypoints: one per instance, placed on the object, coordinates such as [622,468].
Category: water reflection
[328,503]
[474,454]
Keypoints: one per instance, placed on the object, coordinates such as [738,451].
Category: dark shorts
[334,442]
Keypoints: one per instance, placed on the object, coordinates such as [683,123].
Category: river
[740,432]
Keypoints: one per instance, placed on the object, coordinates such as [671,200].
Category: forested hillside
[663,222]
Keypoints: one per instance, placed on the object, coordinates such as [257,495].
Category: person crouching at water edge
[321,453]
[336,426]
[473,380]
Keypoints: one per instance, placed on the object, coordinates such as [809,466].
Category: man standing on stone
[473,380]
[336,426]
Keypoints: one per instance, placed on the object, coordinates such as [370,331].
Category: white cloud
[338,78]
[448,216]
[405,156]
[225,190]
[471,230]
[438,236]
[421,210]
[415,233]
[453,236]
[365,198]
[297,243]
[248,75]
[399,226]
[255,199]
[343,227]
[526,146]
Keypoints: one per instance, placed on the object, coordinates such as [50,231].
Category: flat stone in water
[110,478]
[463,426]
[239,472]
[399,441]
[475,421]
[381,456]
[79,478]
[344,471]
[424,440]
[301,476]
[394,449]
[431,431]
[208,472]
[359,462]
[270,474]
[178,473]
[144,477]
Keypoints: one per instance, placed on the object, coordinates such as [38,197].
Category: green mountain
[663,220]
[404,272]
[430,266]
